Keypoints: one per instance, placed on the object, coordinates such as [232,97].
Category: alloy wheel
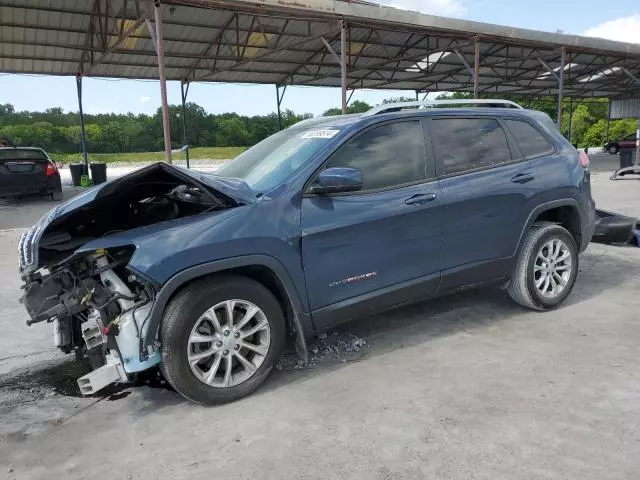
[228,343]
[552,268]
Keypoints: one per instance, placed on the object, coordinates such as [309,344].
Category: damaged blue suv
[209,276]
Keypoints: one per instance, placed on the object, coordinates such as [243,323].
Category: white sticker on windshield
[320,134]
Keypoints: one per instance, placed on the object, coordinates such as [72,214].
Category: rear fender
[543,207]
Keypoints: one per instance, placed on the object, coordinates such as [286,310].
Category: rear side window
[469,143]
[530,141]
[389,155]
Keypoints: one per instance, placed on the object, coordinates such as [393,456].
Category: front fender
[303,321]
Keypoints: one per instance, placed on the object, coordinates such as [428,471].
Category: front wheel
[546,268]
[220,339]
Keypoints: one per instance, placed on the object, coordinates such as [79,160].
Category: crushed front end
[76,272]
[98,309]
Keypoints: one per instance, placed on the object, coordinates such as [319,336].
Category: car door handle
[420,198]
[522,178]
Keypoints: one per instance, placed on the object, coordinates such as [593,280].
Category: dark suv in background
[209,275]
[614,146]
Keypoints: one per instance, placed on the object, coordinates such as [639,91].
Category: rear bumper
[48,186]
[588,226]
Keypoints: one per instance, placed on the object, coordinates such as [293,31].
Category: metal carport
[334,43]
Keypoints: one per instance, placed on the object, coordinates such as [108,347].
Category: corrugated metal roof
[625,108]
[281,41]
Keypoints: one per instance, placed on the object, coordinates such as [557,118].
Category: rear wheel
[546,269]
[613,149]
[221,338]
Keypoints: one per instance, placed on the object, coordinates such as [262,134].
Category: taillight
[584,159]
[51,169]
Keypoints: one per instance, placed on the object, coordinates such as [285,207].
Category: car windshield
[270,162]
[21,154]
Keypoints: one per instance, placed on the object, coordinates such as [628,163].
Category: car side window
[389,155]
[469,143]
[530,141]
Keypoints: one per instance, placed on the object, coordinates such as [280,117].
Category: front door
[380,246]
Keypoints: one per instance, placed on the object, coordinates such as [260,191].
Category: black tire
[56,196]
[181,316]
[522,288]
[613,149]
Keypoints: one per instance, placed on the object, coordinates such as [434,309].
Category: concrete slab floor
[466,386]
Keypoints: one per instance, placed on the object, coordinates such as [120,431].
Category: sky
[616,20]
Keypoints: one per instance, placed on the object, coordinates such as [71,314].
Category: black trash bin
[77,170]
[627,157]
[98,173]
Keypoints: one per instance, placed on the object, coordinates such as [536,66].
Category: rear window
[469,143]
[530,141]
[17,154]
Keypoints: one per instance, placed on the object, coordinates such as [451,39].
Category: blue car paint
[395,251]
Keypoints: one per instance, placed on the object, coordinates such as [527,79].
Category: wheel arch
[565,212]
[262,268]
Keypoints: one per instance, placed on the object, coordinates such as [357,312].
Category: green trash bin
[98,173]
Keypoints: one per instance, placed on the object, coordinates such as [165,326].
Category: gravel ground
[466,386]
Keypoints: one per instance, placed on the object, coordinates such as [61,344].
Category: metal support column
[166,126]
[637,162]
[343,64]
[350,95]
[85,156]
[560,86]
[606,135]
[184,92]
[279,98]
[417,96]
[570,116]
[476,67]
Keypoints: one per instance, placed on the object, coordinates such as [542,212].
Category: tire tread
[518,289]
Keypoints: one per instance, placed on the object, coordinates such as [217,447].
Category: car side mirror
[338,180]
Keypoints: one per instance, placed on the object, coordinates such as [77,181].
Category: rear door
[485,187]
[369,250]
[22,169]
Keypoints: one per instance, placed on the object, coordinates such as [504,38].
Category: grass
[200,153]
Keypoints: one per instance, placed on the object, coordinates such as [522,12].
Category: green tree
[357,106]
[580,122]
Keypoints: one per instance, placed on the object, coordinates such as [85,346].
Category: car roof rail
[438,103]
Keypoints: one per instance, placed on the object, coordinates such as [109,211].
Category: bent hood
[233,188]
[145,197]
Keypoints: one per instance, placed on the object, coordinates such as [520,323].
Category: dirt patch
[328,349]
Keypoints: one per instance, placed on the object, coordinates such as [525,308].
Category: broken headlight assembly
[99,310]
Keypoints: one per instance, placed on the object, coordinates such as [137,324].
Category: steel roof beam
[266,54]
[631,75]
[216,40]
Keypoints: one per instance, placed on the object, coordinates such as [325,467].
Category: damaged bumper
[75,264]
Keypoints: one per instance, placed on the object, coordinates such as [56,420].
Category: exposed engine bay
[98,306]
